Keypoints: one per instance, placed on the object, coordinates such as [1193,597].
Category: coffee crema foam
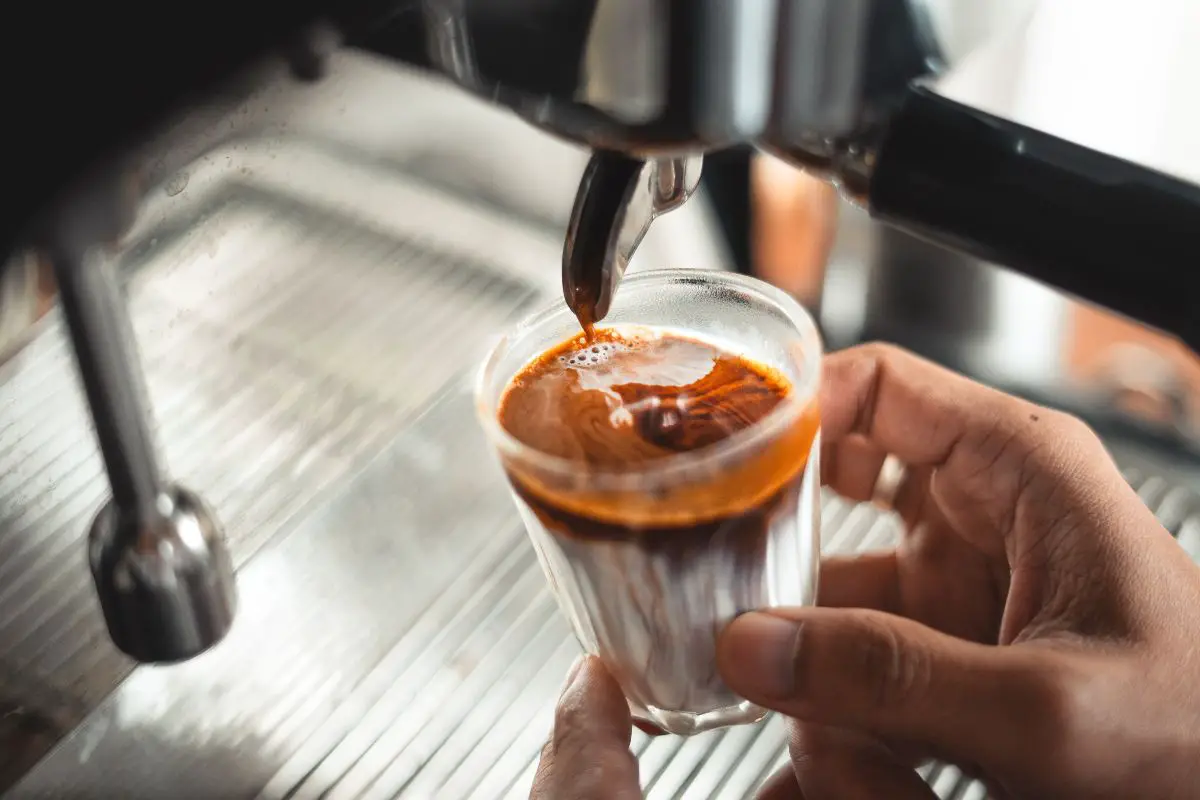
[635,395]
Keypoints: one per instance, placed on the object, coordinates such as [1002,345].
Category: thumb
[588,754]
[897,679]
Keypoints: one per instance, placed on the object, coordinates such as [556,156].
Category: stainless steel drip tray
[294,311]
[385,615]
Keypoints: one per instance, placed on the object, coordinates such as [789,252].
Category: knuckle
[1050,450]
[818,759]
[882,352]
[571,734]
[1006,463]
[1064,696]
[570,715]
[863,660]
[1059,425]
[807,745]
[565,744]
[895,670]
[807,752]
[572,765]
[1047,439]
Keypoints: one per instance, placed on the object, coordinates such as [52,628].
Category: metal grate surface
[263,330]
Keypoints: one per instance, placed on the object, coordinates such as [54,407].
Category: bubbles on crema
[666,361]
[592,355]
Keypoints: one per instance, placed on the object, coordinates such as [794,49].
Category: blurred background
[310,303]
[1100,74]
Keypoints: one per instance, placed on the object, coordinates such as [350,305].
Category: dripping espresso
[683,505]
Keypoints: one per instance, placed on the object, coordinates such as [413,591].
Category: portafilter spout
[619,196]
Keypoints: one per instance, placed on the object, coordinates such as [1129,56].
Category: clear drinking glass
[724,533]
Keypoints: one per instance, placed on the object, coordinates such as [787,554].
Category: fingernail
[757,656]
[572,674]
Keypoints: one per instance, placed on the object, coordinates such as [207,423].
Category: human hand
[587,756]
[1035,625]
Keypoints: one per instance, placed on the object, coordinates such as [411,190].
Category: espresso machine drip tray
[309,351]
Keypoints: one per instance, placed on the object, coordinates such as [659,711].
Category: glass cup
[649,563]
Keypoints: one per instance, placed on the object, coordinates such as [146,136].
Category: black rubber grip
[1093,225]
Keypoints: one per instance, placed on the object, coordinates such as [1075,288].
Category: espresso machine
[845,89]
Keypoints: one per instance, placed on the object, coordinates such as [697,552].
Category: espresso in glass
[667,479]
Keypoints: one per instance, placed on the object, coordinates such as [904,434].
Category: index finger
[1003,471]
[907,406]
[588,753]
[980,446]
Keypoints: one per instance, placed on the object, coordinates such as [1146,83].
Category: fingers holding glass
[831,763]
[974,447]
[895,679]
[587,756]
